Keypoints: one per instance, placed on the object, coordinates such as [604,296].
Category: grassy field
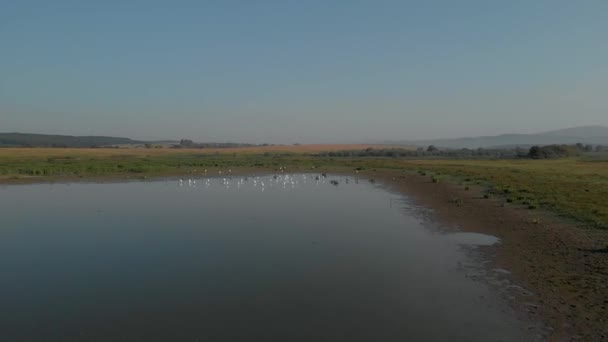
[572,187]
[38,163]
[577,188]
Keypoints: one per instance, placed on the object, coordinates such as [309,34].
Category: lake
[272,258]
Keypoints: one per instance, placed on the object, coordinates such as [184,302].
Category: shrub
[552,151]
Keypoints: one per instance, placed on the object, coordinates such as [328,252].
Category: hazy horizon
[369,141]
[314,72]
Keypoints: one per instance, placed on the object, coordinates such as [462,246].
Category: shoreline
[560,262]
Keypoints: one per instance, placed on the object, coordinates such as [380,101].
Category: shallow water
[235,259]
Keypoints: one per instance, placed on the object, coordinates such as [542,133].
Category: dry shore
[564,265]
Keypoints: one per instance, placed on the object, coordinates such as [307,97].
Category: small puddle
[473,239]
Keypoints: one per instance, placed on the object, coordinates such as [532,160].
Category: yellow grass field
[107,152]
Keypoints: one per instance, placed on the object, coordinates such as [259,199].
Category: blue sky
[302,71]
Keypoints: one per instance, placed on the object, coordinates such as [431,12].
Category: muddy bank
[564,266]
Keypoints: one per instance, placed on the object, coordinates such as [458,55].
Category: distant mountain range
[594,135]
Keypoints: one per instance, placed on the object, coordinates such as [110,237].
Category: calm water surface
[256,259]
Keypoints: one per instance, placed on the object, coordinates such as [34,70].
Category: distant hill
[594,135]
[584,131]
[46,140]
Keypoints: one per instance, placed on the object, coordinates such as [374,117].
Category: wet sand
[562,267]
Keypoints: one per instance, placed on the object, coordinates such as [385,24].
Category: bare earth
[564,266]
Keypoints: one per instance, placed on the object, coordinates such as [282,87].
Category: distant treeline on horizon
[68,141]
[432,151]
[534,152]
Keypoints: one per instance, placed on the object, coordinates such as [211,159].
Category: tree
[431,148]
[552,151]
[534,152]
[185,142]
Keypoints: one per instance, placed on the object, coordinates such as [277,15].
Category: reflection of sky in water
[234,258]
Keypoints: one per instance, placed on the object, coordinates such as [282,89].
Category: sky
[302,71]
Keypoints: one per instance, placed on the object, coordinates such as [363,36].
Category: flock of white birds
[284,181]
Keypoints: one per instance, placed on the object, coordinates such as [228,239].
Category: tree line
[534,152]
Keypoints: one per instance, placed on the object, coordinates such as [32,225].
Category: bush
[552,151]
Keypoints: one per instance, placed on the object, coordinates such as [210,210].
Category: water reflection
[473,239]
[285,257]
